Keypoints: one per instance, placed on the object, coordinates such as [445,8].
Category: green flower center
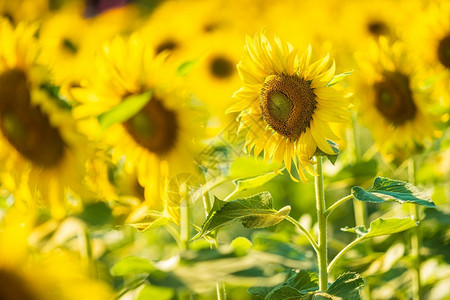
[154,127]
[221,67]
[444,51]
[13,287]
[24,125]
[394,98]
[287,104]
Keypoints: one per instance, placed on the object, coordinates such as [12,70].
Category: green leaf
[248,166]
[132,265]
[304,281]
[347,286]
[96,214]
[338,78]
[155,292]
[253,212]
[185,68]
[385,189]
[331,157]
[125,110]
[144,226]
[382,226]
[284,293]
[243,184]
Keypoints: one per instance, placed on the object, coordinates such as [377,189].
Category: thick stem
[322,220]
[185,221]
[221,291]
[415,238]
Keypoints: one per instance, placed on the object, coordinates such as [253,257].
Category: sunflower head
[287,102]
[395,106]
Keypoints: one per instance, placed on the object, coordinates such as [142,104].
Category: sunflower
[40,153]
[287,102]
[430,36]
[393,100]
[158,141]
[23,10]
[26,274]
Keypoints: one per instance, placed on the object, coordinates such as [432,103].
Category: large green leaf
[248,166]
[125,110]
[96,214]
[253,212]
[382,226]
[284,293]
[132,265]
[385,189]
[347,286]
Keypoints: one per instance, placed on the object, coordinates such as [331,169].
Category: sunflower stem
[322,220]
[185,221]
[305,232]
[415,238]
[330,209]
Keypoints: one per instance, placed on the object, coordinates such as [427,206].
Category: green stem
[236,190]
[220,286]
[415,238]
[330,209]
[307,234]
[343,251]
[185,215]
[322,220]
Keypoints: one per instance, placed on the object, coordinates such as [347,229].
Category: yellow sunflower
[392,99]
[430,36]
[287,102]
[23,10]
[157,141]
[40,153]
[26,274]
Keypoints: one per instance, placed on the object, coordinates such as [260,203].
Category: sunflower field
[224,149]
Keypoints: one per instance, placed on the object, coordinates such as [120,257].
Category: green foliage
[96,214]
[132,265]
[186,67]
[243,184]
[124,110]
[155,292]
[246,167]
[347,286]
[149,222]
[385,189]
[382,226]
[253,212]
[331,157]
[338,78]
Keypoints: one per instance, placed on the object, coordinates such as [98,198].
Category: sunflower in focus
[156,142]
[26,274]
[40,152]
[393,101]
[287,103]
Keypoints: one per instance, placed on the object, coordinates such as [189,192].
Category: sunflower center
[221,67]
[168,44]
[394,99]
[287,104]
[154,127]
[13,287]
[378,28]
[444,51]
[25,126]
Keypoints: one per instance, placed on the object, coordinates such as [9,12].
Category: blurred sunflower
[23,10]
[430,36]
[158,140]
[287,102]
[26,274]
[214,77]
[39,149]
[393,100]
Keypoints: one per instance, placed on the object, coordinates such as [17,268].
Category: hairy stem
[341,254]
[322,220]
[302,229]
